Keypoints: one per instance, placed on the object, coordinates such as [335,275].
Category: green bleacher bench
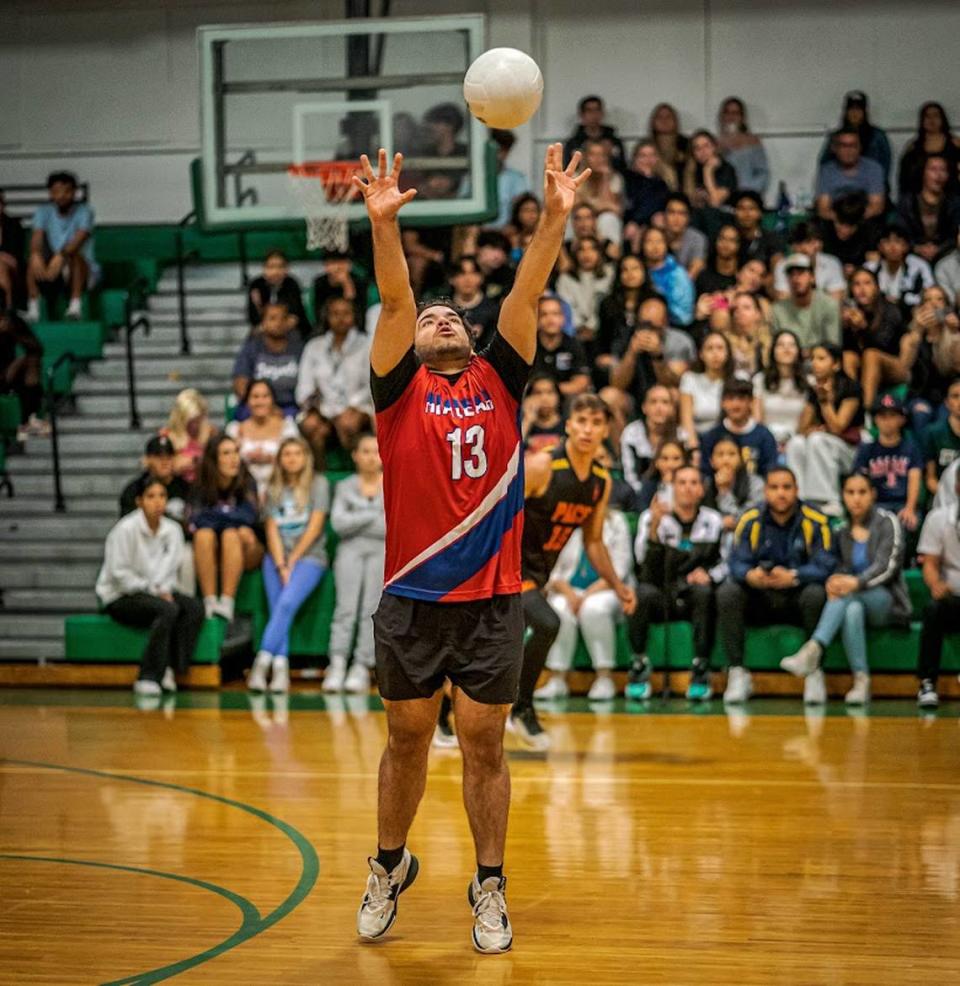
[96,638]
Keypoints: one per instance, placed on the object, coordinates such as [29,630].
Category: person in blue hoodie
[668,276]
[780,559]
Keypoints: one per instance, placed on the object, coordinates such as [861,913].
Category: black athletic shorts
[478,645]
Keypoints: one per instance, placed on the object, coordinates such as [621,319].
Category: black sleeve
[580,362]
[128,498]
[389,388]
[509,364]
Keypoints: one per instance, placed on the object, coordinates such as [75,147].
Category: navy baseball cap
[888,404]
[160,445]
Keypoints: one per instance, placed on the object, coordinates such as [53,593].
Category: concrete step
[28,648]
[74,424]
[226,305]
[161,368]
[45,526]
[49,575]
[89,442]
[118,404]
[231,333]
[62,601]
[22,625]
[75,484]
[81,509]
[170,384]
[106,462]
[65,552]
[162,348]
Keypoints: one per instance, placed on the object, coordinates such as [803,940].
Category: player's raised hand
[379,190]
[560,184]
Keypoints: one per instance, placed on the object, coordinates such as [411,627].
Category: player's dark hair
[443,302]
[590,403]
[61,177]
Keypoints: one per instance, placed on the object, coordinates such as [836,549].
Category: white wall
[110,88]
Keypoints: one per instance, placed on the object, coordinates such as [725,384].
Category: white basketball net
[325,193]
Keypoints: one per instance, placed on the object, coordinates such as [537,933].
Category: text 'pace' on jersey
[549,520]
[452,475]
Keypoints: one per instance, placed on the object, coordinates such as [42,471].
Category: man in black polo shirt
[158,461]
[557,354]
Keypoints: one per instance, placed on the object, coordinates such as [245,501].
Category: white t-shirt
[939,537]
[706,395]
[781,408]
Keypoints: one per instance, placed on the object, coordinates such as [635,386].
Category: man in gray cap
[811,315]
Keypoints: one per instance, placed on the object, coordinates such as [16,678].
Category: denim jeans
[286,600]
[852,614]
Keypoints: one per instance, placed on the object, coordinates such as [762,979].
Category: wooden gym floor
[215,842]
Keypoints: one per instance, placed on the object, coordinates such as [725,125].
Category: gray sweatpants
[358,576]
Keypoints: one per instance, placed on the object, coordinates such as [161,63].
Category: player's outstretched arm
[518,314]
[596,552]
[398,316]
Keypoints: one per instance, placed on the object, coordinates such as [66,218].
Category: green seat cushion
[96,638]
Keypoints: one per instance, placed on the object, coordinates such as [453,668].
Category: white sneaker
[257,679]
[169,681]
[210,604]
[335,677]
[805,661]
[38,427]
[33,310]
[378,909]
[492,933]
[815,689]
[74,310]
[526,727]
[860,693]
[555,687]
[146,687]
[280,675]
[739,685]
[927,697]
[603,689]
[358,680]
[225,606]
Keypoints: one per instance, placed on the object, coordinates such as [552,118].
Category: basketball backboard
[273,95]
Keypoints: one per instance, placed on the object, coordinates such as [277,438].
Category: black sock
[484,872]
[389,859]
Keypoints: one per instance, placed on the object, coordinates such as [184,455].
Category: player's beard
[445,350]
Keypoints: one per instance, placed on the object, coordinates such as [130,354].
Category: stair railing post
[59,503]
[132,325]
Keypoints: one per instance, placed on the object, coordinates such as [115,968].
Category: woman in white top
[585,287]
[259,437]
[780,391]
[701,386]
[137,587]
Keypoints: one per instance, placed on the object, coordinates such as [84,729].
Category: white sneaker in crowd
[74,310]
[815,688]
[492,933]
[525,725]
[280,675]
[358,680]
[859,694]
[805,661]
[378,909]
[927,697]
[169,681]
[210,604]
[33,310]
[257,679]
[225,607]
[603,689]
[335,677]
[739,685]
[146,687]
[555,687]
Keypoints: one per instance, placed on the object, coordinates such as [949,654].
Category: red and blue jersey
[453,476]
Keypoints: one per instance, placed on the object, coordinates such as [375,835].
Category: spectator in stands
[643,436]
[848,171]
[137,587]
[492,250]
[272,353]
[758,447]
[618,312]
[587,607]
[189,429]
[523,220]
[947,273]
[875,349]
[931,215]
[655,352]
[935,337]
[339,280]
[742,149]
[892,463]
[806,238]
[591,126]
[159,459]
[333,384]
[511,184]
[688,245]
[720,272]
[867,589]
[672,146]
[755,241]
[259,436]
[939,548]
[466,291]
[780,390]
[584,287]
[358,520]
[11,258]
[873,141]
[443,125]
[901,275]
[603,190]
[645,191]
[276,285]
[667,275]
[811,315]
[731,487]
[541,424]
[701,387]
[746,330]
[826,441]
[557,354]
[296,508]
[678,567]
[709,180]
[224,521]
[934,138]
[583,225]
[847,236]
[779,561]
[21,359]
[61,248]
[657,481]
[942,439]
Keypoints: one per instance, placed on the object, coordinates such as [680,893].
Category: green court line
[253,924]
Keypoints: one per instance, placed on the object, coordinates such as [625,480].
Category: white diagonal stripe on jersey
[471,520]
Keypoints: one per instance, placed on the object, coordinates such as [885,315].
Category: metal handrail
[132,325]
[181,286]
[242,195]
[59,504]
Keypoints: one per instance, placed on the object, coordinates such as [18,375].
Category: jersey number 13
[468,455]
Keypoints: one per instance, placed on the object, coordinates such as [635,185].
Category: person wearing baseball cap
[874,143]
[158,459]
[811,315]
